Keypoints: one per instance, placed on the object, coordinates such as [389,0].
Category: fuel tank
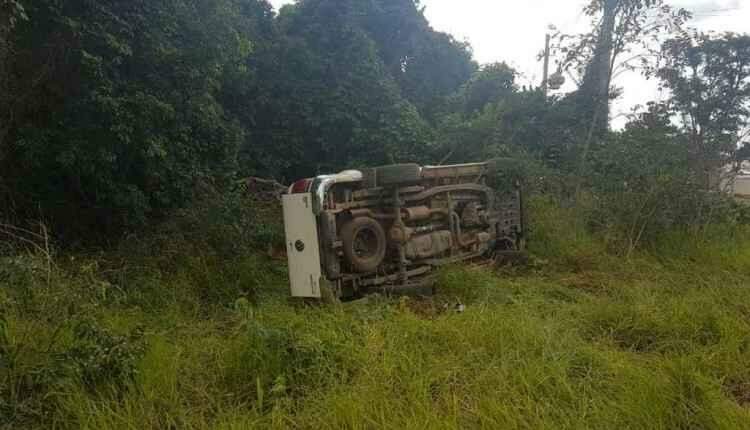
[429,245]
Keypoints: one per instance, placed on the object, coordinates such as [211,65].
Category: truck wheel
[364,244]
[399,173]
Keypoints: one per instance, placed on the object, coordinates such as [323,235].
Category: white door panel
[303,251]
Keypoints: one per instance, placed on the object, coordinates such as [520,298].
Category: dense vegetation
[181,331]
[141,284]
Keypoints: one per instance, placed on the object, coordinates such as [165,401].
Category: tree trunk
[604,64]
[597,79]
[594,91]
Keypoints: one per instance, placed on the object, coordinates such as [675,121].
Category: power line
[699,17]
[706,12]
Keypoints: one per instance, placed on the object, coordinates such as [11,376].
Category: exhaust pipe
[322,184]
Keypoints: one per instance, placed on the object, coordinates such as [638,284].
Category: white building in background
[739,184]
[742,186]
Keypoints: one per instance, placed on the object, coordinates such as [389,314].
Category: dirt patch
[739,391]
[429,307]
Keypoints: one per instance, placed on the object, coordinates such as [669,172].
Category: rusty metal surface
[450,215]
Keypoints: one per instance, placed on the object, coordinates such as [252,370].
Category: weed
[197,337]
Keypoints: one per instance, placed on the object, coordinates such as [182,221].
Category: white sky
[513,31]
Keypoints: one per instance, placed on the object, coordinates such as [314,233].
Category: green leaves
[99,357]
[328,95]
[131,118]
[492,83]
[709,77]
[15,11]
[127,105]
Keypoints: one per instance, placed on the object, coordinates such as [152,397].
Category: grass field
[577,339]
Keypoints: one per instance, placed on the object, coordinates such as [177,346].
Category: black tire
[364,244]
[399,173]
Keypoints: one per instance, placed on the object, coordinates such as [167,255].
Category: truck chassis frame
[388,229]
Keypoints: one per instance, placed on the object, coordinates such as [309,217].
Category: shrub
[99,357]
[125,123]
[561,234]
[642,185]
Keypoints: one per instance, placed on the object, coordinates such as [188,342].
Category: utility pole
[545,81]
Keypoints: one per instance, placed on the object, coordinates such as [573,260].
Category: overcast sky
[513,31]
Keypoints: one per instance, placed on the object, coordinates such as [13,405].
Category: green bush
[97,356]
[561,235]
[642,184]
[126,127]
[715,246]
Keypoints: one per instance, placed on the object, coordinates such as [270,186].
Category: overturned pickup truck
[388,229]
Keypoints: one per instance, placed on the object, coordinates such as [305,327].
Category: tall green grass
[580,338]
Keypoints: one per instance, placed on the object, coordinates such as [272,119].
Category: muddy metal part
[387,229]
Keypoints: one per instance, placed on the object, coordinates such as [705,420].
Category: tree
[709,79]
[11,12]
[438,67]
[595,87]
[469,122]
[640,182]
[491,83]
[119,109]
[328,100]
[120,118]
[620,28]
[427,65]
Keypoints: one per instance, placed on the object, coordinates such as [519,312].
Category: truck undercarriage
[388,229]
